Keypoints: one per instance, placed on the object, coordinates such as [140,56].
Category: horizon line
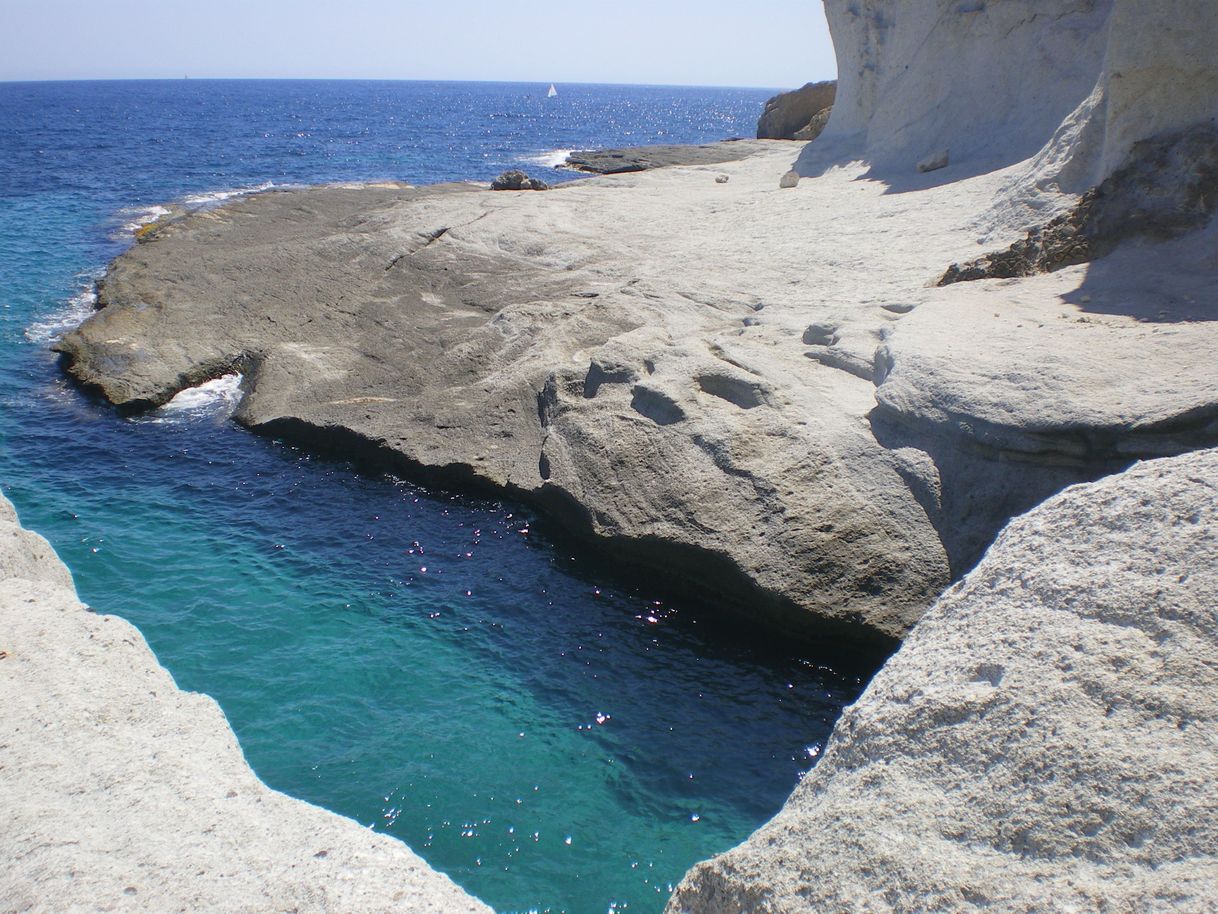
[542,82]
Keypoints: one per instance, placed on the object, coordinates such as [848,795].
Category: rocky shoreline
[763,389]
[165,813]
[645,158]
[1044,739]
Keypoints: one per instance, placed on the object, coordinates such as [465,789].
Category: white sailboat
[552,91]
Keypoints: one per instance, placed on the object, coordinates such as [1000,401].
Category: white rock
[999,81]
[1045,740]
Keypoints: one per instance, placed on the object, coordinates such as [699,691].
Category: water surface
[439,667]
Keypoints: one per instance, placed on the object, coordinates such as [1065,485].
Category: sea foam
[215,398]
[68,317]
[553,158]
[216,197]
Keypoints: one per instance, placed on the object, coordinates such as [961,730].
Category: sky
[765,43]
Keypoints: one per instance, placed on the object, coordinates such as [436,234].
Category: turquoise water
[555,735]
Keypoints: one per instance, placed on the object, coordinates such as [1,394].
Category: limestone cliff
[1045,737]
[799,114]
[997,81]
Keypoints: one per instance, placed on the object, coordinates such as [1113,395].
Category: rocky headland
[770,392]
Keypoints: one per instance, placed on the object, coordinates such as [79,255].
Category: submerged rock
[1045,740]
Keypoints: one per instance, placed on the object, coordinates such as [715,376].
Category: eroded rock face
[165,814]
[1075,83]
[989,80]
[1046,739]
[1167,188]
[789,114]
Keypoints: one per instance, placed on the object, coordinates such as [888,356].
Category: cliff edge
[123,793]
[1045,740]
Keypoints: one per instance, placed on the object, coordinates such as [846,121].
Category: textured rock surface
[1074,83]
[761,391]
[814,127]
[1045,740]
[788,113]
[1167,188]
[665,403]
[122,793]
[1085,365]
[645,158]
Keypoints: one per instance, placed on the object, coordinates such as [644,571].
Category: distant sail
[552,91]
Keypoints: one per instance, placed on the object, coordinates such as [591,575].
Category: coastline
[780,380]
[165,813]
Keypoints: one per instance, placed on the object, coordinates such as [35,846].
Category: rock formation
[664,404]
[800,114]
[654,403]
[644,158]
[1045,740]
[122,793]
[518,180]
[1167,188]
[764,393]
[1073,84]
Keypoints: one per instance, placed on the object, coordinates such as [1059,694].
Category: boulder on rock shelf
[518,180]
[935,161]
[790,179]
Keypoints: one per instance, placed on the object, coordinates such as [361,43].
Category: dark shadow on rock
[1167,189]
[900,176]
[1132,283]
[972,492]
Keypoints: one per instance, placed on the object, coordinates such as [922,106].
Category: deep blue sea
[553,733]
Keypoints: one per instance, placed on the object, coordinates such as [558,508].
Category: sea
[555,733]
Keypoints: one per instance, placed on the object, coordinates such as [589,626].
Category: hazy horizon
[375,79]
[774,44]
